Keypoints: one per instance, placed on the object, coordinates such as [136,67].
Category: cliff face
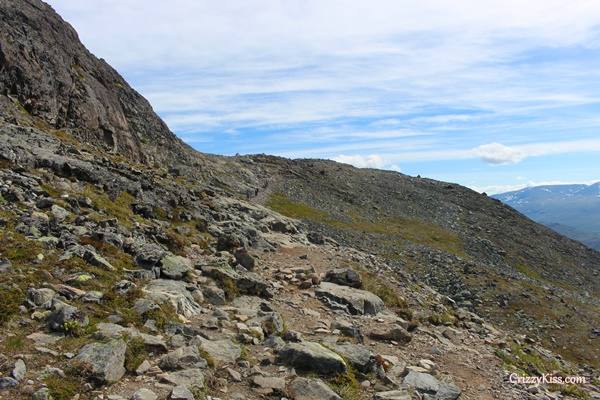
[53,77]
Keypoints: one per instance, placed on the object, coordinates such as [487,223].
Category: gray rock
[447,391]
[147,255]
[312,357]
[181,393]
[41,394]
[40,297]
[344,277]
[358,301]
[269,382]
[182,358]
[59,214]
[214,295]
[188,378]
[105,360]
[64,315]
[392,395]
[175,267]
[245,282]
[93,258]
[394,332]
[422,382]
[311,389]
[274,342]
[144,394]
[175,292]
[359,356]
[19,370]
[347,328]
[244,259]
[222,351]
[8,382]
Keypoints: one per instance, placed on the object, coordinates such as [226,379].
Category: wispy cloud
[381,84]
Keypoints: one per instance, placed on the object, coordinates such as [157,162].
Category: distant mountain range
[572,210]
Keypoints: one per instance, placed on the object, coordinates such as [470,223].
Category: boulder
[244,259]
[311,389]
[222,351]
[66,317]
[105,361]
[245,282]
[7,382]
[174,292]
[41,298]
[19,370]
[175,267]
[312,357]
[359,356]
[188,378]
[357,301]
[394,332]
[344,277]
[392,395]
[429,385]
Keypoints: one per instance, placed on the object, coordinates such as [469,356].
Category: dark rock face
[52,76]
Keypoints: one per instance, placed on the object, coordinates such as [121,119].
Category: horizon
[495,97]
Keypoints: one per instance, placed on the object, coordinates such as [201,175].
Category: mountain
[573,210]
[132,266]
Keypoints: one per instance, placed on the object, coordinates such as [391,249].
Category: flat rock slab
[187,378]
[428,384]
[358,301]
[105,360]
[312,357]
[311,389]
[175,267]
[392,395]
[222,351]
[359,356]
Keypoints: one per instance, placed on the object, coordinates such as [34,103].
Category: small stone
[19,370]
[144,394]
[181,393]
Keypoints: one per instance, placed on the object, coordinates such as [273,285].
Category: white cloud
[370,161]
[497,153]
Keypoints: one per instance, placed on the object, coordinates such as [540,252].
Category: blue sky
[494,95]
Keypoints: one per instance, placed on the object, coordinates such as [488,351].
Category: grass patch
[378,286]
[280,203]
[9,306]
[63,388]
[136,354]
[346,385]
[397,229]
[13,343]
[119,208]
[210,361]
[526,360]
[528,272]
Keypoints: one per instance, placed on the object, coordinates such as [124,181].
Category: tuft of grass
[209,359]
[528,272]
[570,390]
[9,306]
[119,208]
[526,360]
[63,388]
[378,286]
[136,354]
[13,343]
[230,288]
[346,385]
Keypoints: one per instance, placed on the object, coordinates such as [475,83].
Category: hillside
[572,210]
[132,267]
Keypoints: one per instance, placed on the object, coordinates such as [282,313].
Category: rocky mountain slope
[205,277]
[572,210]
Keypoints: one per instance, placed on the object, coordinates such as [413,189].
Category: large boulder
[311,389]
[174,292]
[192,378]
[394,333]
[429,385]
[357,301]
[312,357]
[104,361]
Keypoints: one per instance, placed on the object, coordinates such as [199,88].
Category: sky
[494,95]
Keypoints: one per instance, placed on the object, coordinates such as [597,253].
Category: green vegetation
[63,388]
[13,343]
[528,272]
[209,360]
[526,360]
[280,203]
[375,284]
[9,306]
[119,208]
[397,230]
[346,385]
[136,353]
